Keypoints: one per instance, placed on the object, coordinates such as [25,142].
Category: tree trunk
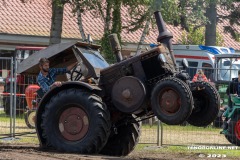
[144,33]
[116,20]
[80,25]
[210,28]
[56,26]
[108,17]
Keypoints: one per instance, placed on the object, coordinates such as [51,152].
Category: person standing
[200,76]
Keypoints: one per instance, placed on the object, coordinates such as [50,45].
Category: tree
[155,5]
[196,36]
[228,6]
[234,19]
[142,17]
[57,20]
[80,24]
[105,46]
[205,14]
[112,15]
[78,7]
[211,26]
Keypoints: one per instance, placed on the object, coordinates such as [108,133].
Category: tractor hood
[59,55]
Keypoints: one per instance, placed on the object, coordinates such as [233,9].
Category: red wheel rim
[237,129]
[169,101]
[73,123]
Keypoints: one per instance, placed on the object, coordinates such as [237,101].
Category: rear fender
[50,94]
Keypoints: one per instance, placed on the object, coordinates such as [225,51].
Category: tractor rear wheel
[171,101]
[206,104]
[233,135]
[76,120]
[123,138]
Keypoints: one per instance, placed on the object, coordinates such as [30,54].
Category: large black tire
[29,118]
[171,101]
[206,105]
[123,138]
[20,101]
[76,120]
[233,135]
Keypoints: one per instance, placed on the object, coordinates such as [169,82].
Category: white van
[199,57]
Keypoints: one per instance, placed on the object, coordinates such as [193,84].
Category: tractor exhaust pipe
[115,45]
[164,36]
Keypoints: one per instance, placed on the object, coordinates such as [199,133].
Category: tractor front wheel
[206,104]
[171,101]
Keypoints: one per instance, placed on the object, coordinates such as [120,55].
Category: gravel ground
[33,152]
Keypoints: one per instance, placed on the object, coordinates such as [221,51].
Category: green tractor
[231,117]
[227,67]
[100,110]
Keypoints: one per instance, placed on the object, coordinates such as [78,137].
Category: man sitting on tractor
[47,76]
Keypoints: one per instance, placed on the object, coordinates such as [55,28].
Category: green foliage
[219,39]
[193,13]
[106,49]
[169,10]
[193,36]
[142,13]
[190,12]
[196,37]
[113,15]
[59,3]
[83,5]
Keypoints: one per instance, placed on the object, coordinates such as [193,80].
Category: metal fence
[7,122]
[12,101]
[13,120]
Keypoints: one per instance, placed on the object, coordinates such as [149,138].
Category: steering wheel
[76,73]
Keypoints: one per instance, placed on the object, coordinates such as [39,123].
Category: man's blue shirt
[46,82]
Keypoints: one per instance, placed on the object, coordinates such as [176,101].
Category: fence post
[159,134]
[15,98]
[11,97]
